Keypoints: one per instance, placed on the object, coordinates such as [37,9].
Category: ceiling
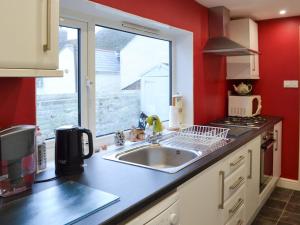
[256,9]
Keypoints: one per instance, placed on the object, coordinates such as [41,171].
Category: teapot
[243,89]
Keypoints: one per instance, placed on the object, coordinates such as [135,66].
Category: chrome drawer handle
[241,158]
[240,222]
[251,155]
[237,184]
[222,174]
[236,207]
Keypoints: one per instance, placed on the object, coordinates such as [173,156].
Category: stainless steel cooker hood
[219,42]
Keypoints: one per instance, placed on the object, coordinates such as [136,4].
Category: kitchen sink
[157,157]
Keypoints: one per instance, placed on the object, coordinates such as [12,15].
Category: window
[58,99]
[132,76]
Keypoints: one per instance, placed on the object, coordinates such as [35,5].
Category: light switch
[291,84]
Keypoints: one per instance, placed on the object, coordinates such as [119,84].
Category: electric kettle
[69,149]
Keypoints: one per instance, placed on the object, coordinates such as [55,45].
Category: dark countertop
[138,187]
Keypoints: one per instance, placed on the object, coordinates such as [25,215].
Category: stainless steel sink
[156,157]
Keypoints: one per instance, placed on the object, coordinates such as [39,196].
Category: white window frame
[92,22]
[87,68]
[108,139]
[83,73]
[85,16]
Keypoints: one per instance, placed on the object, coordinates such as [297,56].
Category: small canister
[119,138]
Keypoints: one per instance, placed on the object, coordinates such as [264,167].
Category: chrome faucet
[153,139]
[153,129]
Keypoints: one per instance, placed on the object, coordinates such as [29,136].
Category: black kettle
[69,149]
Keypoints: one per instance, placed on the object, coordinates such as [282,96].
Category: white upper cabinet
[244,32]
[29,38]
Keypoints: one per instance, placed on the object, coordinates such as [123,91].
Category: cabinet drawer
[234,204]
[239,218]
[235,161]
[234,182]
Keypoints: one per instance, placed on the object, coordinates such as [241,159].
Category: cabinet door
[277,150]
[243,67]
[200,197]
[254,64]
[29,34]
[244,32]
[253,177]
[253,34]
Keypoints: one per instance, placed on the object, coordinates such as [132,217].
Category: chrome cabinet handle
[276,138]
[236,207]
[241,158]
[222,174]
[251,161]
[237,184]
[240,222]
[253,68]
[47,46]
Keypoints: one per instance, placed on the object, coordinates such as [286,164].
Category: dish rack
[199,138]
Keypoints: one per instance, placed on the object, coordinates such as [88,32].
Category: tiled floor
[283,208]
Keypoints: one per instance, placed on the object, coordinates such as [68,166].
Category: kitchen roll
[174,117]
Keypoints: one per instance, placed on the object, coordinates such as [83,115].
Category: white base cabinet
[225,193]
[253,177]
[164,212]
[199,198]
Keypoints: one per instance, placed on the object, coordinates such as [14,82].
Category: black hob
[250,122]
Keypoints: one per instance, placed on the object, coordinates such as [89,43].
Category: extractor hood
[219,43]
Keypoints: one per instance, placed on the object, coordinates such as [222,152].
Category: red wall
[17,101]
[209,76]
[279,61]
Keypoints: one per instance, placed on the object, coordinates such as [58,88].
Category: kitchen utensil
[41,157]
[142,121]
[199,138]
[119,138]
[177,101]
[67,203]
[243,89]
[174,117]
[17,159]
[246,122]
[69,149]
[41,153]
[244,106]
[136,134]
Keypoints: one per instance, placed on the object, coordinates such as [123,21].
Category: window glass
[132,76]
[57,99]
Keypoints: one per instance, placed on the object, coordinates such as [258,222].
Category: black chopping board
[64,204]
